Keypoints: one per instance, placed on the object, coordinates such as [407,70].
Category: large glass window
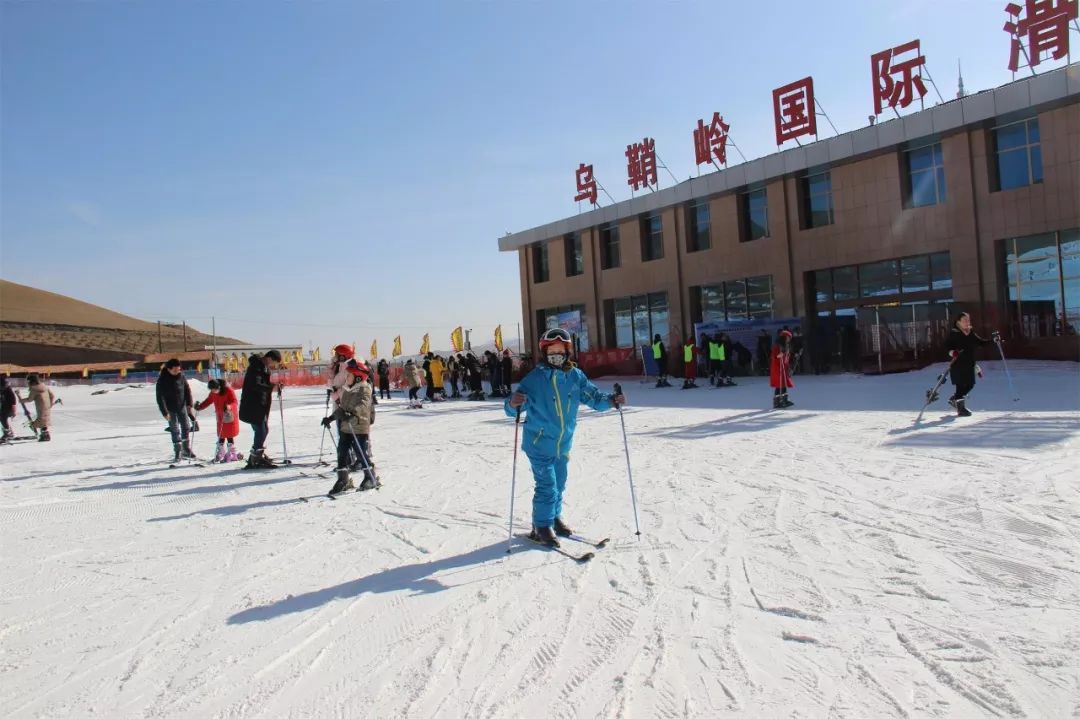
[549,318]
[575,260]
[636,319]
[652,237]
[940,271]
[915,274]
[739,299]
[823,286]
[926,175]
[640,305]
[1042,273]
[1019,154]
[658,315]
[712,303]
[845,283]
[698,226]
[624,329]
[735,299]
[817,200]
[755,207]
[759,300]
[609,247]
[540,262]
[879,279]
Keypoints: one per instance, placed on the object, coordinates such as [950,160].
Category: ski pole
[281,413]
[325,429]
[629,472]
[513,482]
[369,471]
[1008,374]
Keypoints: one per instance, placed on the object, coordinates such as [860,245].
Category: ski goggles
[556,334]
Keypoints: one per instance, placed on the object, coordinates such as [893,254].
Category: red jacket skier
[780,370]
[227,410]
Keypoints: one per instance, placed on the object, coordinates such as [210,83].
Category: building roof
[68,368]
[1047,90]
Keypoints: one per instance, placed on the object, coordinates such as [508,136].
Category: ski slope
[830,560]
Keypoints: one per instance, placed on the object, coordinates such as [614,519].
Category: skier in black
[383,370]
[8,407]
[507,372]
[764,346]
[256,399]
[174,400]
[961,345]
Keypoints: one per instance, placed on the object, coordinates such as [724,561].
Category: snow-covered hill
[830,560]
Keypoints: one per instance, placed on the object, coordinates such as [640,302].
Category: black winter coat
[257,395]
[383,369]
[963,369]
[8,402]
[507,370]
[173,393]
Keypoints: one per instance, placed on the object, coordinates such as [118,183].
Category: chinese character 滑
[895,82]
[711,141]
[641,164]
[793,110]
[1045,25]
[586,184]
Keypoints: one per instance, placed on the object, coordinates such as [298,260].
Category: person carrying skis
[383,370]
[780,370]
[223,398]
[550,395]
[355,414]
[43,401]
[174,401]
[8,407]
[256,398]
[690,354]
[412,377]
[961,345]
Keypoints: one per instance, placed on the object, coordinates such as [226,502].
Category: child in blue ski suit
[550,394]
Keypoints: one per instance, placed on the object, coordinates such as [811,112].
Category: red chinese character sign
[793,110]
[894,77]
[586,184]
[1044,25]
[711,142]
[641,164]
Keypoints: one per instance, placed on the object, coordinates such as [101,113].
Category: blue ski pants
[550,476]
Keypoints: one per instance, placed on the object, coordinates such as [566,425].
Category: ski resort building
[973,204]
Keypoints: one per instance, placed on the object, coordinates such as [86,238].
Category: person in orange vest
[690,353]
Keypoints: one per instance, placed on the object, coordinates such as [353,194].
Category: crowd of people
[10,401]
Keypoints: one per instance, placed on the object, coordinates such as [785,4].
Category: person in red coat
[780,370]
[226,407]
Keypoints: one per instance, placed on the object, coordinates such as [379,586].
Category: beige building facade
[972,204]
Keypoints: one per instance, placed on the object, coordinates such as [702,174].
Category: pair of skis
[579,558]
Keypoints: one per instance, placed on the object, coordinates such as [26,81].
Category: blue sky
[341,171]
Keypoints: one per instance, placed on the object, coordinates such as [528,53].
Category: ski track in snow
[830,560]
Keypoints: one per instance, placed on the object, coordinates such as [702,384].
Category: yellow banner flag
[457,339]
[498,338]
[123,372]
[374,349]
[85,372]
[198,367]
[426,347]
[397,347]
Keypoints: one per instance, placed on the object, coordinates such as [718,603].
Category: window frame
[609,241]
[936,170]
[746,212]
[574,254]
[1030,148]
[652,239]
[541,263]
[806,182]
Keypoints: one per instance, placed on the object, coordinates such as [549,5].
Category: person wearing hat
[8,405]
[780,370]
[174,401]
[660,356]
[961,344]
[413,378]
[690,355]
[355,415]
[256,398]
[342,354]
[507,372]
[223,398]
[550,395]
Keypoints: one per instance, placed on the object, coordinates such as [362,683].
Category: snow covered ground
[830,560]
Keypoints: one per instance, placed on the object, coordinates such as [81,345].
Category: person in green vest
[659,354]
[716,356]
[724,379]
[690,352]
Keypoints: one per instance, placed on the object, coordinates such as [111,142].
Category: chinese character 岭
[895,83]
[586,184]
[711,141]
[641,164]
[1045,25]
[793,110]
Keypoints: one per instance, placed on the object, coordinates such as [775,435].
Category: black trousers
[962,387]
[384,387]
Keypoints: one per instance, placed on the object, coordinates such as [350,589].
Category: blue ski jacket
[552,406]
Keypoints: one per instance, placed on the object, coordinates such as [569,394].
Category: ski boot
[343,482]
[777,403]
[369,483]
[561,529]
[952,401]
[219,455]
[231,455]
[544,535]
[186,450]
[785,402]
[961,410]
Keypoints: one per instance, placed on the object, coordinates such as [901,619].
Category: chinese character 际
[711,141]
[586,184]
[641,164]
[793,110]
[1045,25]
[895,82]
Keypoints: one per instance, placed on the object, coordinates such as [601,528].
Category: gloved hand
[327,421]
[618,400]
[953,354]
[517,399]
[978,371]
